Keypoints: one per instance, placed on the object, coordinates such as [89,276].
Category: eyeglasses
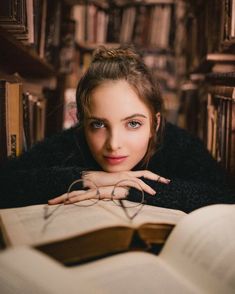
[92,195]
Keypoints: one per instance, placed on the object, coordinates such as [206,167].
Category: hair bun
[103,54]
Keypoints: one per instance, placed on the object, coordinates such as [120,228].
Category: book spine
[14,116]
[3,149]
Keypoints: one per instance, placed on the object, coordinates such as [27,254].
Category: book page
[26,270]
[147,214]
[132,272]
[27,226]
[202,248]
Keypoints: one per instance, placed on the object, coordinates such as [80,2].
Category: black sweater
[50,166]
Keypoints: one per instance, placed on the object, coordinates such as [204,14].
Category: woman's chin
[116,168]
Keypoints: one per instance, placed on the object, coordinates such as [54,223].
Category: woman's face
[118,127]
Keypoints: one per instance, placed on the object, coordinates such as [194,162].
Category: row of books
[221,125]
[143,25]
[35,23]
[22,121]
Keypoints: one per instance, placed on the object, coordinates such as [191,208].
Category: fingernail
[153,192]
[168,181]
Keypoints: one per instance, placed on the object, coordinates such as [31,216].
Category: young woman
[121,135]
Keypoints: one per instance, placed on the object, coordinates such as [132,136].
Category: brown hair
[122,64]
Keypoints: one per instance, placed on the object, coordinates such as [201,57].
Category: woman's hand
[105,182]
[81,195]
[101,178]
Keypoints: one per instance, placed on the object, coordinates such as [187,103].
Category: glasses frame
[118,202]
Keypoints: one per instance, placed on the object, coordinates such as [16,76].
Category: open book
[198,257]
[76,233]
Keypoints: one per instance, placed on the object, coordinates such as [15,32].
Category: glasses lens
[85,191]
[130,192]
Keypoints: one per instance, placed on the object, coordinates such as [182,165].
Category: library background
[46,45]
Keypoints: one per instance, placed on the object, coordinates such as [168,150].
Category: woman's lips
[115,159]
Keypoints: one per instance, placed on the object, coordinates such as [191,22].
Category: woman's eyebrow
[134,115]
[97,118]
[126,118]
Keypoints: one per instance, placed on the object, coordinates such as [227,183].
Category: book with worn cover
[198,257]
[14,119]
[74,233]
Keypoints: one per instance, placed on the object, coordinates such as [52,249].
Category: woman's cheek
[95,140]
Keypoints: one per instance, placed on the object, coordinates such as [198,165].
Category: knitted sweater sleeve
[39,174]
[196,178]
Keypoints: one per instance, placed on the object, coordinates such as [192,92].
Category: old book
[220,120]
[26,122]
[198,257]
[139,26]
[78,14]
[40,118]
[35,117]
[232,34]
[75,233]
[14,119]
[114,24]
[13,17]
[42,25]
[127,25]
[232,146]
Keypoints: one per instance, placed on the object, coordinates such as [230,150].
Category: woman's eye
[134,124]
[97,124]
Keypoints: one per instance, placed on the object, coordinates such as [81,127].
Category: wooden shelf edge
[16,57]
[105,4]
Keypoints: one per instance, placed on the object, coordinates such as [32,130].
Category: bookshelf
[210,87]
[155,28]
[29,73]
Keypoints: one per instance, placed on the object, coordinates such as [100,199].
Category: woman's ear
[158,120]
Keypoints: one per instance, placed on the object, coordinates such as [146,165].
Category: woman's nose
[113,141]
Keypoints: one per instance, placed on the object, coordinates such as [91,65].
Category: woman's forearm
[187,195]
[26,187]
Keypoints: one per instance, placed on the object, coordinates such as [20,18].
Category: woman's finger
[114,192]
[57,200]
[64,197]
[138,184]
[150,175]
[81,195]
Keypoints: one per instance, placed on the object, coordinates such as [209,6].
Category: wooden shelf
[227,78]
[143,2]
[106,3]
[221,57]
[17,57]
[211,59]
[101,3]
